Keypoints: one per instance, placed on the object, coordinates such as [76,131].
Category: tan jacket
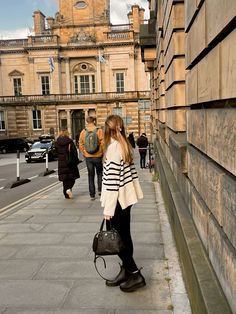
[99,153]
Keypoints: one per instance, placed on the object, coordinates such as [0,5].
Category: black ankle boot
[134,282]
[121,277]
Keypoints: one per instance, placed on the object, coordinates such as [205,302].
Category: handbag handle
[102,224]
[99,256]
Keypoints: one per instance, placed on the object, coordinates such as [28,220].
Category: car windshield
[41,145]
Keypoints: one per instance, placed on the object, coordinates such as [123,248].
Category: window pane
[120,82]
[2,121]
[117,111]
[84,84]
[93,83]
[36,119]
[45,85]
[17,86]
[76,85]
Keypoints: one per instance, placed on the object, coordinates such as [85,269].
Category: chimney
[50,21]
[39,22]
[136,17]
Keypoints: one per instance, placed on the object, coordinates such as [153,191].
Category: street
[33,171]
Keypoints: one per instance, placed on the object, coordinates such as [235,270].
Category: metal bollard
[47,172]
[18,180]
[46,160]
[18,166]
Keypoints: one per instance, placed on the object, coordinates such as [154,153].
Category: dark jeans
[143,159]
[68,184]
[121,222]
[94,163]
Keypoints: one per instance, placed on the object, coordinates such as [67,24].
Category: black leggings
[67,185]
[121,222]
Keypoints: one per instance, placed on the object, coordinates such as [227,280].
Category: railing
[79,98]
[42,40]
[120,35]
[13,43]
[30,41]
[121,27]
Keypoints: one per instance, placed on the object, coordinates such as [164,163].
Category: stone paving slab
[46,258]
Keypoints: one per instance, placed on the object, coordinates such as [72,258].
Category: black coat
[142,143]
[64,172]
[131,140]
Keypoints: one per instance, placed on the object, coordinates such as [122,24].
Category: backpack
[91,143]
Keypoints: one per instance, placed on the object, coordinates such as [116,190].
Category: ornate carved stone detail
[81,37]
[16,73]
[83,67]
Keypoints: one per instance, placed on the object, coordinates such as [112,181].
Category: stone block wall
[196,120]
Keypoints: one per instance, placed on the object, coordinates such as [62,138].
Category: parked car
[37,151]
[11,145]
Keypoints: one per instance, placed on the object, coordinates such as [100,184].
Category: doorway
[78,123]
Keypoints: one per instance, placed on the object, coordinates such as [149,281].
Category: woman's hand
[106,217]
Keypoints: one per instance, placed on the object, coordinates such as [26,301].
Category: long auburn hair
[114,128]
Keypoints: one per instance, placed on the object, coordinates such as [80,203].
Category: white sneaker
[69,193]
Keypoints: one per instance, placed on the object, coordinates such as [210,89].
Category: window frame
[84,84]
[45,86]
[120,82]
[2,121]
[37,119]
[17,88]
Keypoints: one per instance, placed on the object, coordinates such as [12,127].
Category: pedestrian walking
[91,146]
[131,139]
[142,143]
[67,173]
[120,190]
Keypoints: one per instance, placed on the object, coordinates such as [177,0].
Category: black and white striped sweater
[120,181]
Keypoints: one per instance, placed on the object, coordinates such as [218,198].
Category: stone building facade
[76,64]
[189,48]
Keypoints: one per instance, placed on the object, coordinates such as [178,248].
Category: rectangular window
[45,85]
[37,124]
[2,121]
[84,84]
[17,86]
[117,111]
[120,83]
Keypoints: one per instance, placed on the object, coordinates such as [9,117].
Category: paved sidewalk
[46,260]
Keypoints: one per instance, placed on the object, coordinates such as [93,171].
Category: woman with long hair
[67,174]
[120,190]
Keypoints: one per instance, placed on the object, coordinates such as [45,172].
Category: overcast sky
[16,15]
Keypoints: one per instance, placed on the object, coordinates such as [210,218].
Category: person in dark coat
[142,143]
[131,139]
[66,174]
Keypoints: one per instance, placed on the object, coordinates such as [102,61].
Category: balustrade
[126,96]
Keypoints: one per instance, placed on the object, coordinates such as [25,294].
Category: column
[85,113]
[99,77]
[68,86]
[69,122]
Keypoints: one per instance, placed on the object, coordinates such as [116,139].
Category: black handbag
[106,242]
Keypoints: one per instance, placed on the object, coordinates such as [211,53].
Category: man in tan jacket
[93,159]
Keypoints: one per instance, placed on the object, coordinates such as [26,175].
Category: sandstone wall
[194,96]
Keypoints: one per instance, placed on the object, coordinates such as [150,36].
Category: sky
[16,19]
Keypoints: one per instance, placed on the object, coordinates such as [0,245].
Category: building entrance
[78,123]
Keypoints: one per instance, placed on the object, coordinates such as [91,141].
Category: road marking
[34,177]
[2,187]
